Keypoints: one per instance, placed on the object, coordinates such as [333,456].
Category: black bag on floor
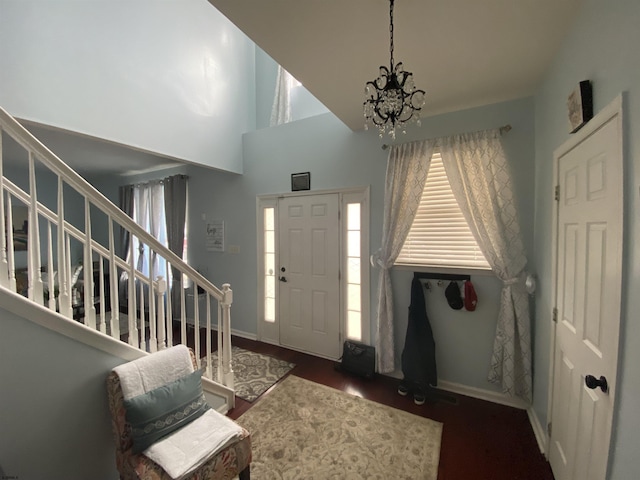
[359,359]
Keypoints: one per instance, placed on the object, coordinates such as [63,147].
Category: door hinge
[555,315]
[549,428]
[557,193]
[339,274]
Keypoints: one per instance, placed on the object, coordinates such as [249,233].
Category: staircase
[112,302]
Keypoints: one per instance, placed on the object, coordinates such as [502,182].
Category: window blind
[439,235]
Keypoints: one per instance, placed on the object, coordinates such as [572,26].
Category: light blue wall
[602,47]
[54,418]
[175,78]
[340,158]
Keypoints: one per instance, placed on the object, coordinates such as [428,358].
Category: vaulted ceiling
[464,53]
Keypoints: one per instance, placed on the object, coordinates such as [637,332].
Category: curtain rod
[503,129]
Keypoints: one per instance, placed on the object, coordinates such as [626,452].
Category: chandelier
[392,100]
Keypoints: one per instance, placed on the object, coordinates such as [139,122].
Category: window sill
[448,270]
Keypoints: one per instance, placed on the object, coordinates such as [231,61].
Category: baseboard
[237,333]
[241,334]
[538,430]
[482,394]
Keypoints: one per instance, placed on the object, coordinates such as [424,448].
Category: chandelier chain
[391,31]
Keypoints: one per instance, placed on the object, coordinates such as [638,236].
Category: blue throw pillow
[160,412]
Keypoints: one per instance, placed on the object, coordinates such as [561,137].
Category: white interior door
[309,286]
[589,263]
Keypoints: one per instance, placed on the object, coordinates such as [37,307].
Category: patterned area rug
[254,372]
[305,430]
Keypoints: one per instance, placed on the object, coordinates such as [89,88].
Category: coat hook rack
[441,276]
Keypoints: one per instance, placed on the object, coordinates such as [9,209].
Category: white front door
[589,273]
[309,253]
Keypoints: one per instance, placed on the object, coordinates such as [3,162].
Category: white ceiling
[463,53]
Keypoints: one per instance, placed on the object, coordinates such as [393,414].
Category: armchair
[143,388]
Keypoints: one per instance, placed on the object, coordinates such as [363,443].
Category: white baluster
[50,270]
[64,287]
[4,266]
[183,314]
[208,346]
[89,307]
[220,373]
[36,292]
[153,338]
[11,254]
[143,327]
[103,320]
[169,308]
[74,295]
[162,325]
[227,300]
[113,286]
[133,327]
[196,322]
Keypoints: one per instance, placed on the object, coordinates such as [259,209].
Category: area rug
[303,430]
[253,372]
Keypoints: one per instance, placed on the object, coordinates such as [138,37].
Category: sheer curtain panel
[281,109]
[481,182]
[407,168]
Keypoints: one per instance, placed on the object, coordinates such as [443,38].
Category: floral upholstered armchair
[140,442]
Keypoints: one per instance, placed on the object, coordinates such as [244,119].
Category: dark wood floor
[480,440]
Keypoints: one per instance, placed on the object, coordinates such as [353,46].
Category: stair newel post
[89,308]
[227,300]
[4,267]
[162,324]
[35,291]
[50,270]
[131,284]
[169,322]
[11,259]
[113,288]
[208,347]
[220,345]
[64,295]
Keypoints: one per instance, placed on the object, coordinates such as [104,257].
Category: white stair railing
[147,312]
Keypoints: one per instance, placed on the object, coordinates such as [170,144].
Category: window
[354,289]
[439,235]
[269,234]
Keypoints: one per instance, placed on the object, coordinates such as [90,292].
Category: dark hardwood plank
[480,440]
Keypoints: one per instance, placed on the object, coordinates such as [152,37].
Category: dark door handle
[282,279]
[593,382]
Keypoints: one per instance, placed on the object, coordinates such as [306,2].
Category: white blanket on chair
[182,452]
[153,371]
[186,449]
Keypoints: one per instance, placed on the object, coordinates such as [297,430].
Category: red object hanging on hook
[470,297]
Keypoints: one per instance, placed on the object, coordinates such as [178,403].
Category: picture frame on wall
[580,106]
[300,181]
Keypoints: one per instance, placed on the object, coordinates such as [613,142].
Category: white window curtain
[407,168]
[149,213]
[281,109]
[481,182]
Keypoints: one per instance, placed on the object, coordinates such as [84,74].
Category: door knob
[282,279]
[593,382]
